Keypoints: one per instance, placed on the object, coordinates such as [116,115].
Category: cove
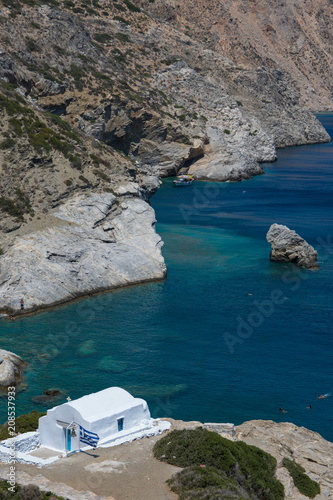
[174,342]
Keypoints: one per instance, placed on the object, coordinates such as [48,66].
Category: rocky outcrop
[10,368]
[305,447]
[234,144]
[92,242]
[288,246]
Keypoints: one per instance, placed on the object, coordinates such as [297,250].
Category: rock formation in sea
[10,368]
[288,246]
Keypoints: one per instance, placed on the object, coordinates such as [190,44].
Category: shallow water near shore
[228,336]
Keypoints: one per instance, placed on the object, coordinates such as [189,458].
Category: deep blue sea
[228,336]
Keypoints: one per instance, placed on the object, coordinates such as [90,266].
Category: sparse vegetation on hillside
[303,483]
[29,492]
[215,465]
[23,423]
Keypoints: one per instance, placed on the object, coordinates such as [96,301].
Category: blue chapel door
[68,439]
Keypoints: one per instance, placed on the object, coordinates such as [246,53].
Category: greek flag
[88,437]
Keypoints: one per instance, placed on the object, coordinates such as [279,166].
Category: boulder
[10,368]
[288,246]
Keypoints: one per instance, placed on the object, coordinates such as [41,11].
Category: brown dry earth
[125,472]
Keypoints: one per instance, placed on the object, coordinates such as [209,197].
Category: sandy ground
[125,472]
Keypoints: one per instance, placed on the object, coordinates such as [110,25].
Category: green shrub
[303,483]
[131,6]
[181,118]
[239,103]
[119,7]
[120,58]
[23,423]
[31,45]
[68,182]
[1,251]
[75,161]
[59,122]
[16,125]
[102,37]
[204,118]
[7,143]
[168,62]
[252,468]
[29,492]
[84,179]
[121,20]
[226,131]
[95,158]
[102,175]
[205,483]
[123,37]
[77,73]
[9,206]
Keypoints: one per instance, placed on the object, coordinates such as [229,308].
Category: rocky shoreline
[95,242]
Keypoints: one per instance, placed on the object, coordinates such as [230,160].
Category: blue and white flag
[88,437]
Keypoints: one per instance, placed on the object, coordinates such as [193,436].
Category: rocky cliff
[293,37]
[97,101]
[131,75]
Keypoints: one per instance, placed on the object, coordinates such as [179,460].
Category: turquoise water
[228,336]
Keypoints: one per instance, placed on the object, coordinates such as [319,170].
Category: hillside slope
[97,101]
[295,37]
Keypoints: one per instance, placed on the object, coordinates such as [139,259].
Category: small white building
[112,414]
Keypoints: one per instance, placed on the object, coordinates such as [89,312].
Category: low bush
[121,20]
[9,206]
[102,175]
[131,6]
[8,143]
[102,37]
[251,468]
[197,482]
[29,492]
[84,179]
[123,37]
[23,423]
[303,483]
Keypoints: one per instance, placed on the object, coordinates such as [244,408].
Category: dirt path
[125,472]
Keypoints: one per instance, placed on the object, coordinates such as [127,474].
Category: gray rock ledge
[10,368]
[288,246]
[92,242]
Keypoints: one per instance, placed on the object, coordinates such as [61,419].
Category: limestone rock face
[305,447]
[235,143]
[10,368]
[288,246]
[90,243]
